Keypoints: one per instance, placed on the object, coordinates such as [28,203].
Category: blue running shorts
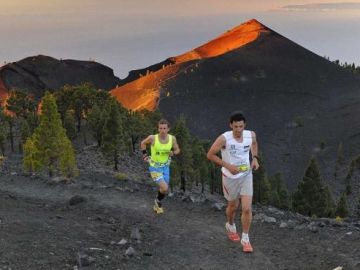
[160,173]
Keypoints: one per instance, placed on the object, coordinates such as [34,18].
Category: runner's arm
[176,148]
[214,149]
[146,141]
[143,144]
[254,152]
[219,143]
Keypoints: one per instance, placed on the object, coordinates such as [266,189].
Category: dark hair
[163,122]
[236,117]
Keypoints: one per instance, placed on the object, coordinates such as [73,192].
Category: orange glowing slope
[4,95]
[144,92]
[232,39]
[3,92]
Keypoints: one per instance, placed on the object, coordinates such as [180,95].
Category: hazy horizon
[127,35]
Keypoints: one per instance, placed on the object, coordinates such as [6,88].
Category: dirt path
[40,230]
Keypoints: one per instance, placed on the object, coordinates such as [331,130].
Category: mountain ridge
[129,92]
[36,74]
[232,39]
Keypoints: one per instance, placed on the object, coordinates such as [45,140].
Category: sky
[133,34]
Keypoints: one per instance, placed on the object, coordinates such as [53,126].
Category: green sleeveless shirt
[160,151]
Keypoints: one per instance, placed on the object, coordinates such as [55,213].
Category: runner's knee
[164,188]
[246,210]
[233,206]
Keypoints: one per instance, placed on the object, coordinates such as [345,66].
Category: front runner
[235,146]
[163,147]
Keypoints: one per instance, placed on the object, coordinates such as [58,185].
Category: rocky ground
[99,222]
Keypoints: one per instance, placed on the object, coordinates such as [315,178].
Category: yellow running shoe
[157,208]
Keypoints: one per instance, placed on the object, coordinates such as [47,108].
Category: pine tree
[340,154]
[212,173]
[64,100]
[204,173]
[215,178]
[274,198]
[82,101]
[285,199]
[261,185]
[25,133]
[339,160]
[342,208]
[2,139]
[351,170]
[312,197]
[97,119]
[358,207]
[98,114]
[348,188]
[279,191]
[357,162]
[200,171]
[79,99]
[134,123]
[69,125]
[139,125]
[101,97]
[175,174]
[326,204]
[113,136]
[184,161]
[10,120]
[20,104]
[354,164]
[49,148]
[32,161]
[67,160]
[3,131]
[32,121]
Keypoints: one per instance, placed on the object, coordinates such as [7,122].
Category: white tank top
[237,153]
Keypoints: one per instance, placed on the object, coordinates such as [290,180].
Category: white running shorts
[234,188]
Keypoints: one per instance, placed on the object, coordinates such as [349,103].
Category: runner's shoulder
[151,138]
[253,134]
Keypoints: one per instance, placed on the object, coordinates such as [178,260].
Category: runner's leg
[246,213]
[231,210]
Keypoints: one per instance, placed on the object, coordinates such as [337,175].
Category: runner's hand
[233,169]
[255,164]
[171,154]
[146,158]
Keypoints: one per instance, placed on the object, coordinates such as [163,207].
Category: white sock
[245,237]
[232,227]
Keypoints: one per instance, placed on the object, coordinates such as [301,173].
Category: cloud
[324,6]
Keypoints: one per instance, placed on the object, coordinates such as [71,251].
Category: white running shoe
[231,232]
